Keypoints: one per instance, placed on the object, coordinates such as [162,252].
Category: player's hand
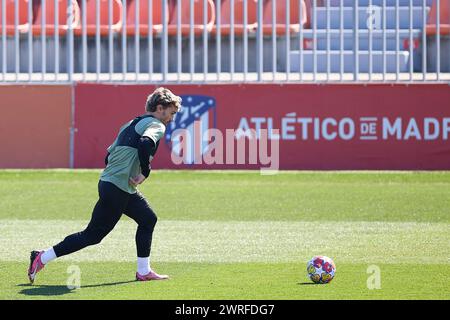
[137,180]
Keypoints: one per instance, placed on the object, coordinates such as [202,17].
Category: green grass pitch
[236,235]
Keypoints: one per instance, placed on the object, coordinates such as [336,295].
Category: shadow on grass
[58,290]
[306,283]
[44,290]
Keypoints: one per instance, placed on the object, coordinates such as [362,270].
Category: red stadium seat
[280,14]
[22,24]
[309,5]
[50,20]
[198,25]
[225,16]
[444,18]
[144,27]
[91,17]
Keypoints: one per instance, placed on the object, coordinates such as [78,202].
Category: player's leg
[106,213]
[140,211]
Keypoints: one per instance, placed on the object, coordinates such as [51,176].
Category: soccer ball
[321,269]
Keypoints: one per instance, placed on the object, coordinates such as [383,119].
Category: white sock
[143,265]
[48,255]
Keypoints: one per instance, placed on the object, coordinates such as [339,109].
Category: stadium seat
[91,17]
[280,16]
[444,18]
[50,21]
[225,16]
[144,27]
[198,25]
[22,23]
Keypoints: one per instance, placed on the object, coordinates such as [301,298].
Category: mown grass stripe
[238,241]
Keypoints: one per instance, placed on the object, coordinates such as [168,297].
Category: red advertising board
[329,127]
[35,126]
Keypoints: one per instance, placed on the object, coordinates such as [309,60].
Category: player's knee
[150,222]
[94,237]
[154,219]
[95,240]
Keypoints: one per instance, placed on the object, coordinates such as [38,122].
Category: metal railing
[206,41]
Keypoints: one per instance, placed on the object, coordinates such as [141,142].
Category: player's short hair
[162,96]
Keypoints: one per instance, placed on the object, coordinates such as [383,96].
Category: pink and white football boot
[36,264]
[152,275]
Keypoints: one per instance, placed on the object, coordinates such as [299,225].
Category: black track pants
[107,212]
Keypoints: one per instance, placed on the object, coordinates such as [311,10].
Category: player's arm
[109,150]
[146,150]
[146,147]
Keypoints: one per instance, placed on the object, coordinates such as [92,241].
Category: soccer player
[127,165]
